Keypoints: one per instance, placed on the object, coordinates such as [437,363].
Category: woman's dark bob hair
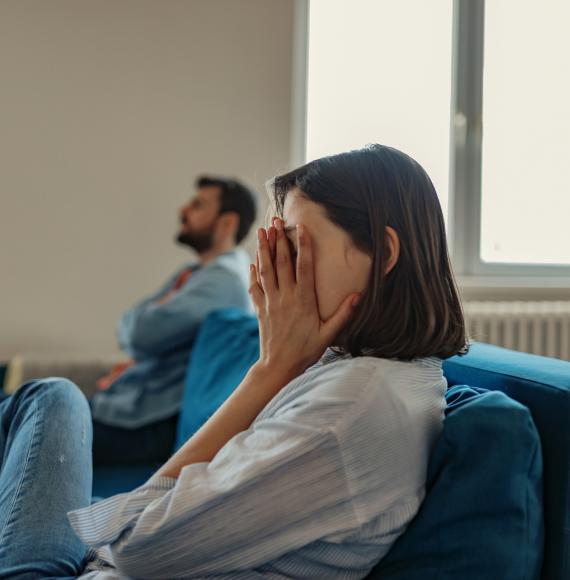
[414,310]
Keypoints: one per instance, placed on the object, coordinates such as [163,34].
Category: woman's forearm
[292,338]
[259,386]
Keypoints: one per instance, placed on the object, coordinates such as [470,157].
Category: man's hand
[105,382]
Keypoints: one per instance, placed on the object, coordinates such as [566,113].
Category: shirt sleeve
[270,490]
[122,325]
[153,328]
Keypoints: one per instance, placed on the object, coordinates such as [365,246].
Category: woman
[317,462]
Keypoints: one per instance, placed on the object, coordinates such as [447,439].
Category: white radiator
[536,327]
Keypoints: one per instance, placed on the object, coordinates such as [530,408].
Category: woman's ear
[393,245]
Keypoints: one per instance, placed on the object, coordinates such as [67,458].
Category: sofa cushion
[226,346]
[482,516]
[542,385]
[109,480]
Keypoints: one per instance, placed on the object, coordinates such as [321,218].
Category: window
[526,133]
[399,72]
[375,75]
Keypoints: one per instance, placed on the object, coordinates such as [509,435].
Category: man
[135,412]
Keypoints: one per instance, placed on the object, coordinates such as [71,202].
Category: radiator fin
[535,327]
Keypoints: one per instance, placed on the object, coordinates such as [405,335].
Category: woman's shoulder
[343,387]
[357,374]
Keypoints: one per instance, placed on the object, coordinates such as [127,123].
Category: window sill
[514,282]
[514,287]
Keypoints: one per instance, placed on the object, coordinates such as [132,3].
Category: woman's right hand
[292,334]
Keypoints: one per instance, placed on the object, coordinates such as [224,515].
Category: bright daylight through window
[381,71]
[526,133]
[378,79]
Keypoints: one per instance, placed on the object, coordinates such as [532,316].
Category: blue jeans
[46,471]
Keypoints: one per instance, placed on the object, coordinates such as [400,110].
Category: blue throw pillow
[482,518]
[226,346]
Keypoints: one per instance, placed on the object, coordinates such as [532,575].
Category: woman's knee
[57,395]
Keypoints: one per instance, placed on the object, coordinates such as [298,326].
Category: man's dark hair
[414,310]
[236,197]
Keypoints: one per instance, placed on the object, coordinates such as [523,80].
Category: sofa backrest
[543,386]
[226,346]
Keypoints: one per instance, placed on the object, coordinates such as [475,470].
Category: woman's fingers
[305,266]
[272,239]
[283,263]
[332,327]
[276,273]
[266,270]
[255,290]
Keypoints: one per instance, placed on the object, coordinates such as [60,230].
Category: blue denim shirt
[160,337]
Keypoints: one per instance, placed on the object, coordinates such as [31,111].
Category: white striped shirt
[324,481]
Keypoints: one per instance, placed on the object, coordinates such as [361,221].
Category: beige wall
[108,109]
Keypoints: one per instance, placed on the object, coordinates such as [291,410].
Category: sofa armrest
[84,371]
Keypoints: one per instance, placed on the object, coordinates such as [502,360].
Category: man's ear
[228,224]
[393,246]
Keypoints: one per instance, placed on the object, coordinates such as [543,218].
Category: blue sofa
[541,384]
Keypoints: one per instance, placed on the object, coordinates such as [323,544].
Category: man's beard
[199,242]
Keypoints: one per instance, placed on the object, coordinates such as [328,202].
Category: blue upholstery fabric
[112,479]
[540,384]
[543,385]
[226,346]
[482,516]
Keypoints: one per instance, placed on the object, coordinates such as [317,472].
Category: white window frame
[464,225]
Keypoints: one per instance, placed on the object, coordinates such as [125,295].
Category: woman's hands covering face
[292,334]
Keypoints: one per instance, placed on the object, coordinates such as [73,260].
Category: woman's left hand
[292,337]
[292,334]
